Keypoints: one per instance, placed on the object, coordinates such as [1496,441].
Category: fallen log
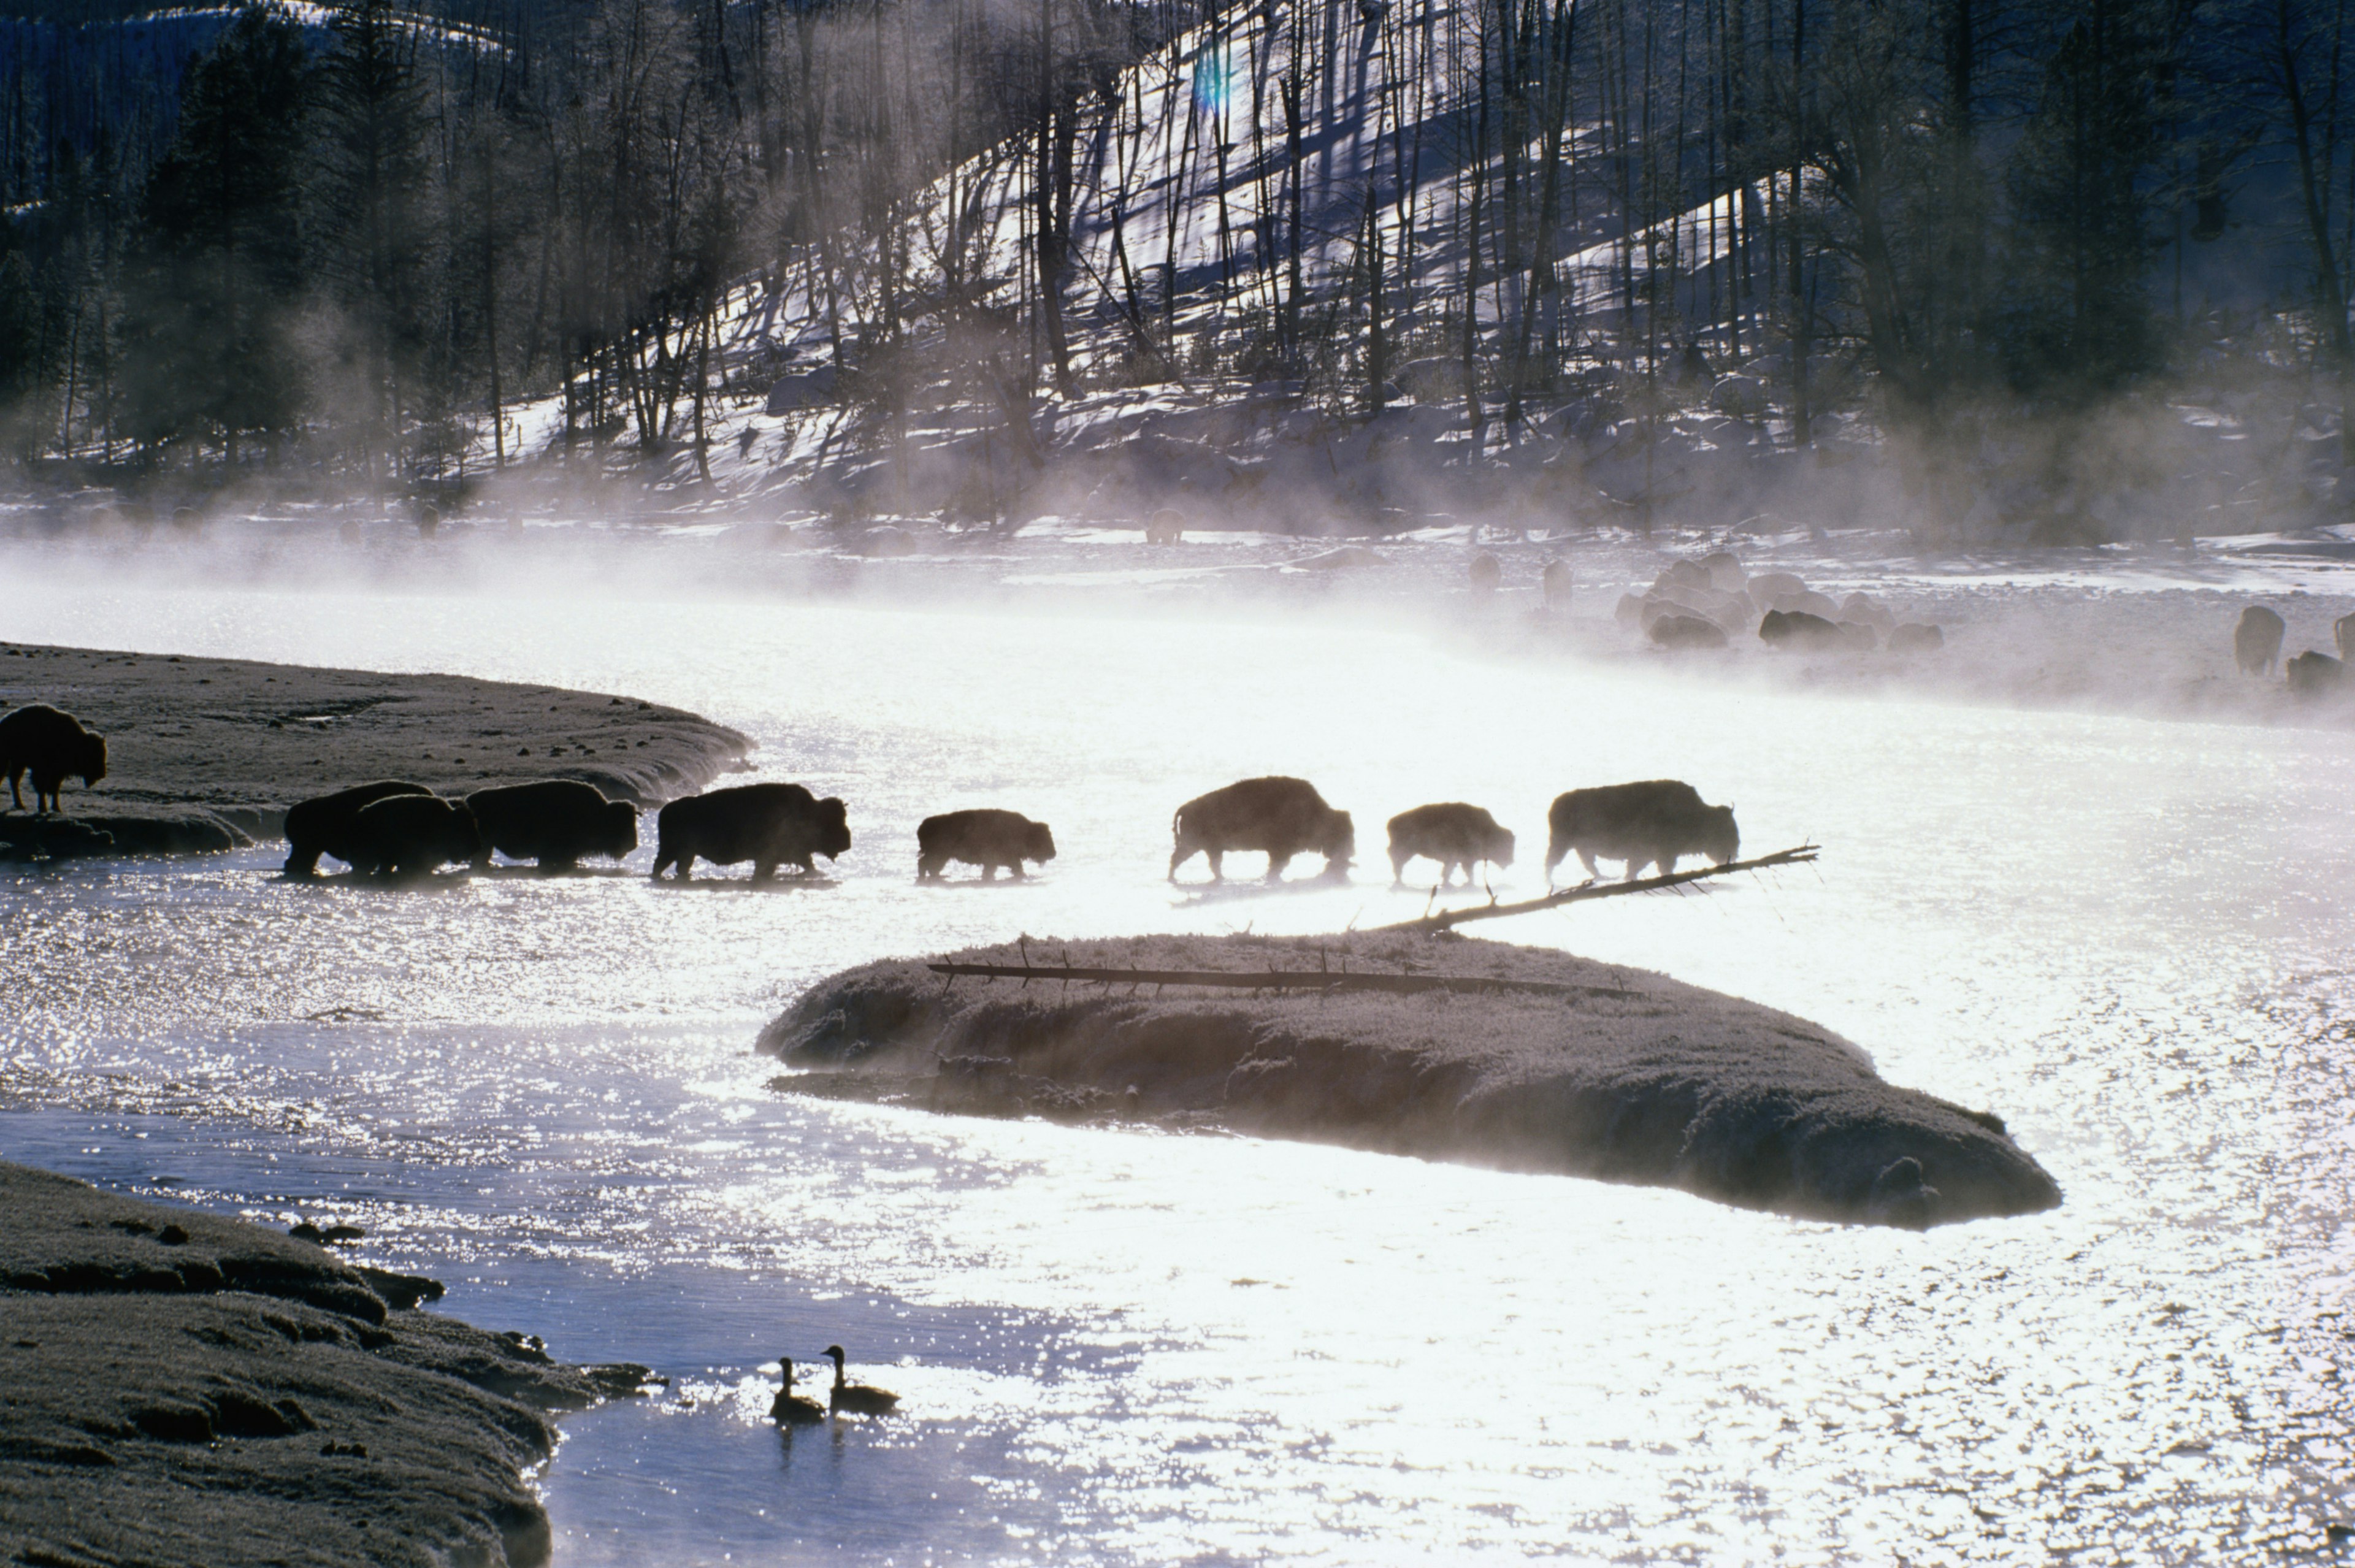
[1342,979]
[1447,919]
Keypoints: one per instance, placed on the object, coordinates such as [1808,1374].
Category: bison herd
[1704,603]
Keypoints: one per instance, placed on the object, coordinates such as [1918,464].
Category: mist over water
[2126,937]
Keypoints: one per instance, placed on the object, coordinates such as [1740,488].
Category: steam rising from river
[2127,936]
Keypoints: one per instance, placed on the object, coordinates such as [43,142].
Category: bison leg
[1177,857]
[1277,860]
[763,870]
[15,790]
[1016,871]
[928,867]
[1398,869]
[1214,857]
[1594,871]
[989,870]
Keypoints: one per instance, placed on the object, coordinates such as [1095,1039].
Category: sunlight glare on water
[2125,936]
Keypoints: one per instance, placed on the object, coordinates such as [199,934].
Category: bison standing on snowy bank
[1282,817]
[769,825]
[52,746]
[1652,822]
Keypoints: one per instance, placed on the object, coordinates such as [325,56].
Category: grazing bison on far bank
[770,824]
[409,836]
[1282,817]
[1458,837]
[52,746]
[1166,527]
[1652,822]
[1798,629]
[323,825]
[2314,674]
[2256,641]
[1686,632]
[554,821]
[986,837]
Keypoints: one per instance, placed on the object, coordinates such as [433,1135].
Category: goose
[792,1409]
[860,1399]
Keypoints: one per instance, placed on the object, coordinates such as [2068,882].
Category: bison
[1282,817]
[1798,629]
[1687,631]
[2342,637]
[1652,822]
[1488,573]
[987,838]
[1166,527]
[323,825]
[2256,641]
[1556,582]
[1455,835]
[1915,637]
[554,821]
[2314,674]
[52,746]
[408,834]
[769,825]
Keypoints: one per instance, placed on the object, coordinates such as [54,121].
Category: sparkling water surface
[2127,937]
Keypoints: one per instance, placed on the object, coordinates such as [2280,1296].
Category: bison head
[1340,845]
[91,762]
[1500,847]
[833,828]
[1039,844]
[461,835]
[1721,841]
[619,824]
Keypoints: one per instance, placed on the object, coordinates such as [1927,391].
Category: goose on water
[790,1407]
[860,1399]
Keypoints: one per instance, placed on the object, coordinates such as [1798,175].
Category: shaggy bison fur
[1457,835]
[1282,817]
[1652,822]
[769,825]
[323,825]
[409,835]
[2314,674]
[554,821]
[52,746]
[2256,641]
[987,838]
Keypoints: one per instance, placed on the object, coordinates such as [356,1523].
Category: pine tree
[220,267]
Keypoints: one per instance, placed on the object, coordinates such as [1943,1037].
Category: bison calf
[409,836]
[1282,817]
[1652,822]
[554,821]
[1458,837]
[769,825]
[323,825]
[987,838]
[52,746]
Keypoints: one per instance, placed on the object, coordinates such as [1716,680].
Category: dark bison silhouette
[1915,637]
[409,836]
[323,825]
[1798,629]
[2314,674]
[987,838]
[769,825]
[1652,822]
[2256,641]
[52,746]
[1687,631]
[554,821]
[1281,816]
[1455,835]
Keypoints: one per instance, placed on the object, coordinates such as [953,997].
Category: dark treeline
[349,247]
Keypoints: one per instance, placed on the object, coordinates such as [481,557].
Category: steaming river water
[2128,937]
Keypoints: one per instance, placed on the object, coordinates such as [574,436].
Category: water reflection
[1123,1347]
